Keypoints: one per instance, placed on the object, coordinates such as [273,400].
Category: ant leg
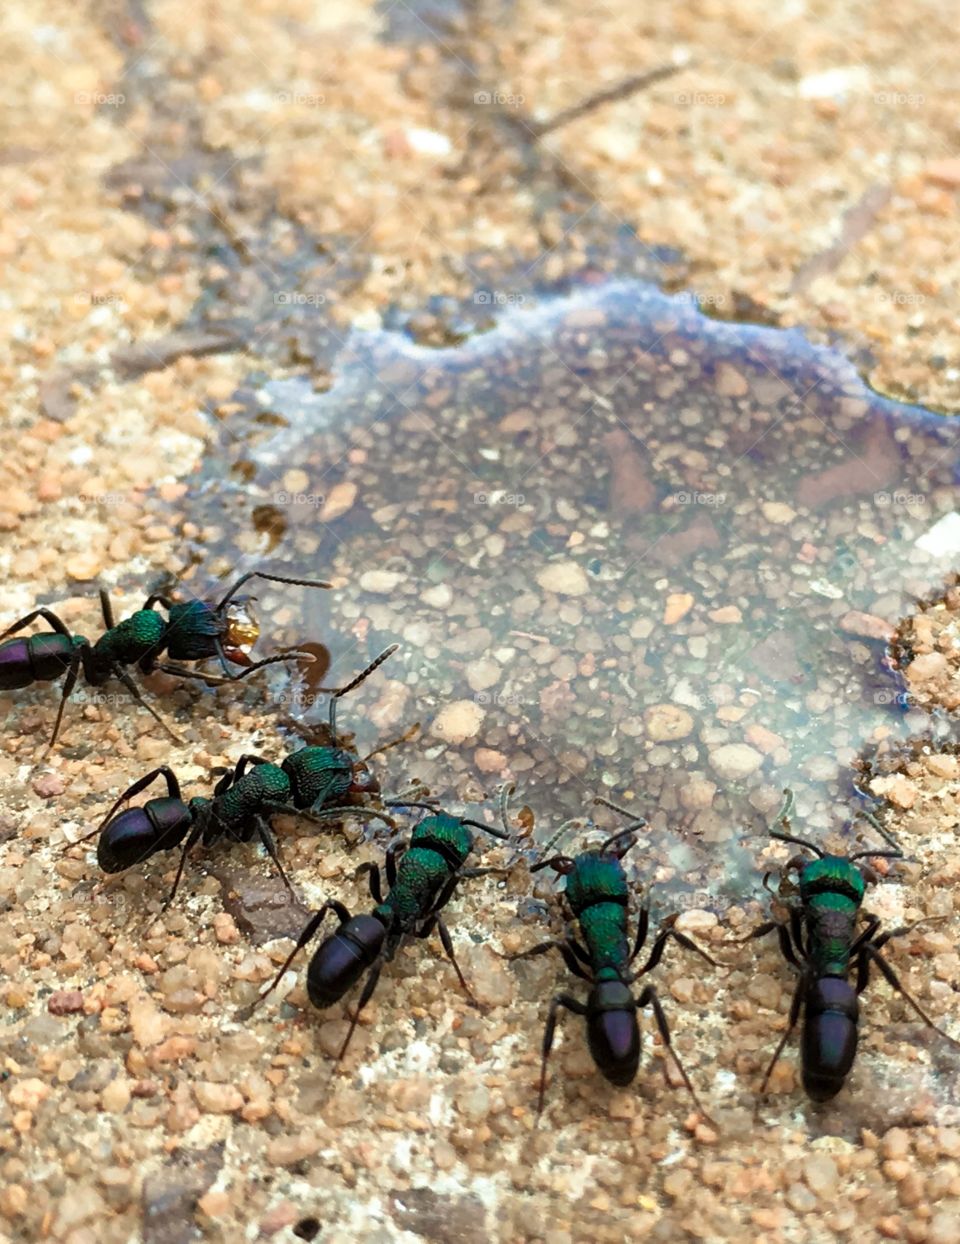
[306,657]
[569,1004]
[569,956]
[157,598]
[68,686]
[871,953]
[192,839]
[395,852]
[221,680]
[372,872]
[904,928]
[867,932]
[649,998]
[369,986]
[329,814]
[173,792]
[106,609]
[795,1006]
[656,953]
[55,623]
[263,831]
[307,933]
[783,935]
[643,927]
[447,944]
[230,779]
[122,676]
[796,933]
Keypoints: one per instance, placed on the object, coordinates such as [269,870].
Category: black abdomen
[35,658]
[342,958]
[138,833]
[829,1042]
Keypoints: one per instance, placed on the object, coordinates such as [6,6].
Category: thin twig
[608,95]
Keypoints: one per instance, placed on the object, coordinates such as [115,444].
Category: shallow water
[631,535]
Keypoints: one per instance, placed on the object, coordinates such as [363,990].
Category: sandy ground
[238,187]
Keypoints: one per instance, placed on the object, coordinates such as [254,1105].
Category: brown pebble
[677,606]
[666,722]
[283,1214]
[729,382]
[288,1150]
[65,1002]
[868,625]
[49,785]
[339,501]
[944,172]
[489,761]
[217,1098]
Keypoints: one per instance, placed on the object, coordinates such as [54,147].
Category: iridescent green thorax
[319,776]
[596,878]
[446,835]
[132,639]
[596,891]
[263,784]
[420,878]
[831,891]
[835,876]
[439,845]
[191,631]
[199,803]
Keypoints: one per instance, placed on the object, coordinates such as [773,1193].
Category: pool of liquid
[646,553]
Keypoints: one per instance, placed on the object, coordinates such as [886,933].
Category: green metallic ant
[195,630]
[598,897]
[321,784]
[422,876]
[822,942]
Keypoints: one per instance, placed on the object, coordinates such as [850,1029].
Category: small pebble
[458,721]
[677,606]
[217,1098]
[380,582]
[735,761]
[564,578]
[65,1002]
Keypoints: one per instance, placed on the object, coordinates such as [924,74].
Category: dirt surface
[211,215]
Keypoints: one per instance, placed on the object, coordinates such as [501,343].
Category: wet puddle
[638,549]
